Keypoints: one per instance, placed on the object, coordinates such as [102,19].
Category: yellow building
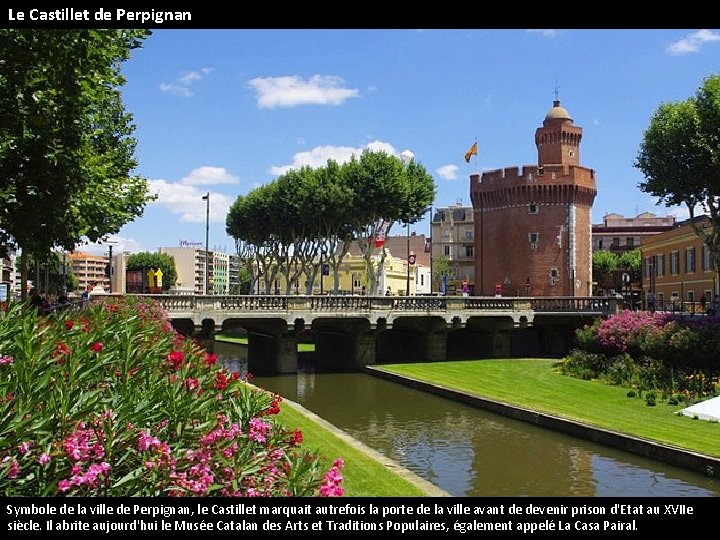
[678,269]
[353,278]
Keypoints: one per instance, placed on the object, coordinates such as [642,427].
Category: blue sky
[224,111]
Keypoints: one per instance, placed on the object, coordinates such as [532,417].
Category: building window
[554,275]
[446,250]
[533,237]
[690,260]
[660,301]
[616,241]
[660,267]
[469,251]
[532,208]
[422,280]
[600,243]
[446,233]
[630,241]
[571,153]
[674,263]
[707,259]
[468,236]
[691,296]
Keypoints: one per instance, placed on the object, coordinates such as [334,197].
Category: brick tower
[533,229]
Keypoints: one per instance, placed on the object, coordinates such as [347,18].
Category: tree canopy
[306,215]
[680,158]
[66,145]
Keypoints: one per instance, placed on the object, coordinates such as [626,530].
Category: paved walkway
[706,410]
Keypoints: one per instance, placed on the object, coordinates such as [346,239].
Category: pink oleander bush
[679,356]
[111,401]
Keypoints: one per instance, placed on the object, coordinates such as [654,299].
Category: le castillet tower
[533,228]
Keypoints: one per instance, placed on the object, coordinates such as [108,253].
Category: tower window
[533,239]
[532,208]
[571,153]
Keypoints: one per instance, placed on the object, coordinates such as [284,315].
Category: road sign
[411,258]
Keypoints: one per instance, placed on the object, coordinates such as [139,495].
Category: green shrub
[650,399]
[583,365]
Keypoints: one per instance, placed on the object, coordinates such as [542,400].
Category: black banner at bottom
[489,516]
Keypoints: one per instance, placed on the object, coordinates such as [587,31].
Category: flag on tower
[472,152]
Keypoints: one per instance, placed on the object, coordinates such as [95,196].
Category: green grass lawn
[363,475]
[230,338]
[535,384]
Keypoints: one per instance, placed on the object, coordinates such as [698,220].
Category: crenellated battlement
[534,175]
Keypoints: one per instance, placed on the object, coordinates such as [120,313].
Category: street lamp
[109,271]
[407,281]
[206,198]
[407,157]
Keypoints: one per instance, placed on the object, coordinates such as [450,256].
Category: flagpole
[477,153]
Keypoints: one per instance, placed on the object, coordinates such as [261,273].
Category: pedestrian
[651,301]
[388,292]
[703,301]
[36,300]
[498,290]
[85,296]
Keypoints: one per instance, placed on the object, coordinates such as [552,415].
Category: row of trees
[309,216]
[66,145]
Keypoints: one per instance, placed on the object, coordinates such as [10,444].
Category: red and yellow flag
[472,152]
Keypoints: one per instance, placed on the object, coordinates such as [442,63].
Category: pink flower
[6,360]
[14,469]
[210,359]
[64,485]
[297,438]
[44,459]
[24,448]
[176,359]
[97,346]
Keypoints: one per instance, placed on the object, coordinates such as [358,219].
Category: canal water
[468,451]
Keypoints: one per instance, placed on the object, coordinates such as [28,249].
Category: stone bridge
[351,331]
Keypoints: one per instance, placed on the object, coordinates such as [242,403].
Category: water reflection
[471,452]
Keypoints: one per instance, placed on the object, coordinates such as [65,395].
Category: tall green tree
[441,266]
[146,260]
[604,263]
[66,145]
[680,158]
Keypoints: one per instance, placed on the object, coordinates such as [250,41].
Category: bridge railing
[366,304]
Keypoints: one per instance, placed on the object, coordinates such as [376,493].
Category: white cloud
[407,156]
[693,42]
[120,244]
[183,82]
[596,122]
[545,32]
[207,176]
[447,172]
[176,89]
[291,91]
[187,201]
[319,155]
